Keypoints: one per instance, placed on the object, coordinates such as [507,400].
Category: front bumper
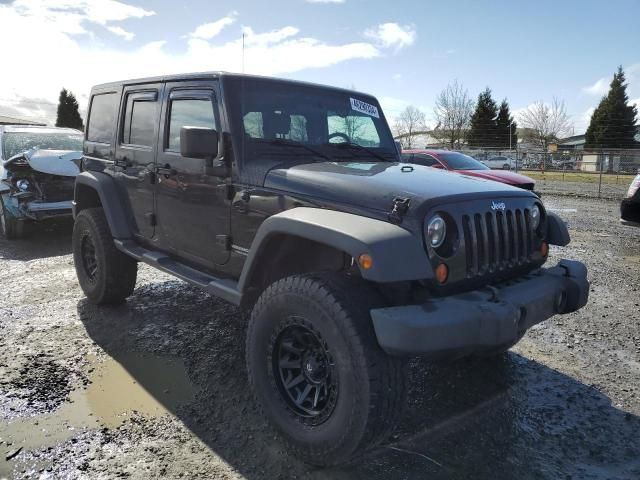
[483,319]
[43,210]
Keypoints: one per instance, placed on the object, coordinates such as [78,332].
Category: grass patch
[580,177]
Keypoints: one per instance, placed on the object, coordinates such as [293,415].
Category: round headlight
[535,216]
[23,185]
[436,231]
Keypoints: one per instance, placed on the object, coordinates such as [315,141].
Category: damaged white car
[38,166]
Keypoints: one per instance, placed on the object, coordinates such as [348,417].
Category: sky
[403,52]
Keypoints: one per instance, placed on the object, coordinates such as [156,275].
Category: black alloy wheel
[304,372]
[89,260]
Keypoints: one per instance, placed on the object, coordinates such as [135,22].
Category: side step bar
[223,288]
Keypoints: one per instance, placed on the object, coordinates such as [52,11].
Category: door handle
[166,170]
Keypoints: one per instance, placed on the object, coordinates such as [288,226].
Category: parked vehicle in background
[288,199]
[630,205]
[466,165]
[38,166]
[563,163]
[505,163]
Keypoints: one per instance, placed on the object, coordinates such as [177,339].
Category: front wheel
[316,368]
[106,275]
[10,227]
[506,166]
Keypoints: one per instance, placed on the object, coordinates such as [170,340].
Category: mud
[156,388]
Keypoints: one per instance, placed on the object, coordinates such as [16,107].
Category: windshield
[18,142]
[278,122]
[460,161]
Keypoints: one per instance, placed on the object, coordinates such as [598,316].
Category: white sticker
[363,107]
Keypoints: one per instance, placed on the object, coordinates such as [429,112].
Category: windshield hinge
[399,209]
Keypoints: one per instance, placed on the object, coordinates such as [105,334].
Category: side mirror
[198,142]
[437,165]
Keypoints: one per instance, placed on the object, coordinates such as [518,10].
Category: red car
[464,164]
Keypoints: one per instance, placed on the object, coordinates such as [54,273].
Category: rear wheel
[106,275]
[10,227]
[316,368]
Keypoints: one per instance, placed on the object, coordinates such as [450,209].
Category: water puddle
[131,383]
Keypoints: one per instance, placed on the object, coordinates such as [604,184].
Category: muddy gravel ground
[157,387]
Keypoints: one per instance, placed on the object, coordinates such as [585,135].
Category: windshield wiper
[289,143]
[368,150]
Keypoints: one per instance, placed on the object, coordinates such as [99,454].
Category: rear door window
[140,119]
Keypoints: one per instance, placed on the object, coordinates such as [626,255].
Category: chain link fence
[592,173]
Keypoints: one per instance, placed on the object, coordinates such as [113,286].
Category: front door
[136,151]
[191,205]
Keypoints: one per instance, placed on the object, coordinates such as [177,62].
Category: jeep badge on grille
[498,206]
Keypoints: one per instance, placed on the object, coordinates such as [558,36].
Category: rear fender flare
[106,189]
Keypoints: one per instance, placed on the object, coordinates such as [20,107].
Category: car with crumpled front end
[38,166]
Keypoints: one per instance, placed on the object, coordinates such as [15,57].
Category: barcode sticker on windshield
[363,107]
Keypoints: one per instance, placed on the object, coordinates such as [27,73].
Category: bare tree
[355,126]
[452,112]
[410,122]
[545,123]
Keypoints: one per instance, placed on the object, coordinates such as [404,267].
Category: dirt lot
[157,387]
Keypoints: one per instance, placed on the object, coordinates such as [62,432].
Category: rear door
[134,161]
[191,205]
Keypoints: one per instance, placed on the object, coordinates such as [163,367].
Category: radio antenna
[242,52]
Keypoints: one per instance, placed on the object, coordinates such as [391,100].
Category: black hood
[375,185]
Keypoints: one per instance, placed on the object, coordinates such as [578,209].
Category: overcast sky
[404,52]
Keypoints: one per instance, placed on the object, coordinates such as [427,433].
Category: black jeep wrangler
[288,199]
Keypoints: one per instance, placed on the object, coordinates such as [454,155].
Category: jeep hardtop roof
[217,74]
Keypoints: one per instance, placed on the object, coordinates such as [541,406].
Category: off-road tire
[10,227]
[114,277]
[371,386]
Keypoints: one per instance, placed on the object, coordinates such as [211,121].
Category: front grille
[56,188]
[498,240]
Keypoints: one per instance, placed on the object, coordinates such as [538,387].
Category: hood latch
[400,208]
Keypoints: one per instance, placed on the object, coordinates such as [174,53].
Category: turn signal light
[442,273]
[544,249]
[365,261]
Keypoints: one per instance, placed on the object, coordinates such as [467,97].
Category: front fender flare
[557,232]
[397,254]
[107,191]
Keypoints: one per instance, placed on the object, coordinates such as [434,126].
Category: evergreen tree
[68,114]
[483,131]
[506,127]
[613,123]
